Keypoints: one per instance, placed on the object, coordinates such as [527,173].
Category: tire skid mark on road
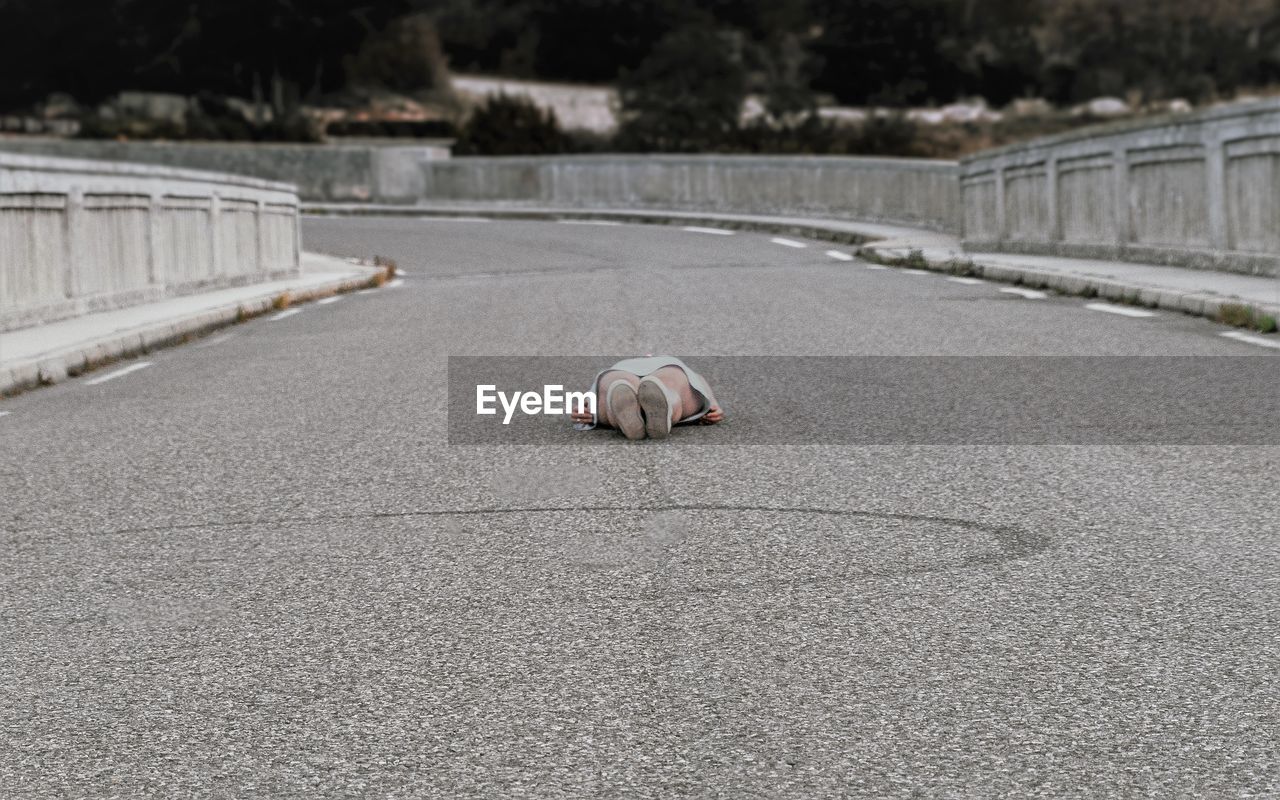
[1011,542]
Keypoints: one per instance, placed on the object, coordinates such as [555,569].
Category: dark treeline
[886,52]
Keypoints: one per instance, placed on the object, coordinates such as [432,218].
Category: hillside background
[907,77]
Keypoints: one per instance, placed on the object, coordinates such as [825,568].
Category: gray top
[647,365]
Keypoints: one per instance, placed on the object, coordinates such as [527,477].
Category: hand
[580,415]
[713,416]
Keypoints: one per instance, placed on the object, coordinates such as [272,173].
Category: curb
[871,245]
[1201,304]
[829,231]
[55,367]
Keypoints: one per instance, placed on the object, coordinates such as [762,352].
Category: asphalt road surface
[255,567]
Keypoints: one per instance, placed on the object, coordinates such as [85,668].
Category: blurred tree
[405,56]
[506,126]
[686,95]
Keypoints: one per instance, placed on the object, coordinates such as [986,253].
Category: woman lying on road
[646,396]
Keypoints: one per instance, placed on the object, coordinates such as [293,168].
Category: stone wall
[82,236]
[1198,190]
[377,172]
[903,191]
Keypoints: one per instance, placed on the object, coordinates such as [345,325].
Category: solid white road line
[917,272]
[838,256]
[588,222]
[1123,311]
[1030,294]
[697,229]
[110,376]
[787,242]
[288,312]
[219,339]
[1241,336]
[967,281]
[329,300]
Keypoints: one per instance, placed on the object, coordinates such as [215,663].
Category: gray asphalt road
[255,568]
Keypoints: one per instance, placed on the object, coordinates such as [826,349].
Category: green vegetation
[507,125]
[682,66]
[1243,316]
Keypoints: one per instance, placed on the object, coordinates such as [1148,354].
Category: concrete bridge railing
[82,236]
[914,192]
[1199,190]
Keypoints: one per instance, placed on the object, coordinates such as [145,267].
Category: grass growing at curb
[1239,315]
[282,301]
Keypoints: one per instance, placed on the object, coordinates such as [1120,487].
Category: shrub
[508,126]
[685,96]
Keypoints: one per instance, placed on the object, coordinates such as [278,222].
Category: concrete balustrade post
[1215,173]
[155,242]
[1001,215]
[1120,178]
[73,235]
[261,252]
[215,238]
[1054,220]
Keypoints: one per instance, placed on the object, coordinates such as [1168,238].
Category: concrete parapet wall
[82,236]
[1200,190]
[901,191]
[383,173]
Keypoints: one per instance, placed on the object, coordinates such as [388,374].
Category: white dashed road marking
[396,284]
[1123,311]
[1030,294]
[288,312]
[1241,336]
[876,266]
[456,219]
[219,339]
[838,256]
[967,281]
[5,413]
[588,222]
[329,300]
[716,231]
[917,272]
[110,376]
[365,291]
[787,242]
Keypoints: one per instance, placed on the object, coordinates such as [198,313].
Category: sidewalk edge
[58,365]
